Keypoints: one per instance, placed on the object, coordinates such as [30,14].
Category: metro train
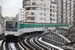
[18,28]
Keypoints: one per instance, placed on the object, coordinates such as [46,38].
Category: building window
[53,6]
[50,22]
[33,3]
[50,6]
[40,13]
[32,13]
[50,19]
[50,10]
[40,18]
[23,14]
[53,15]
[41,8]
[44,9]
[41,0]
[53,19]
[44,14]
[41,3]
[33,8]
[33,0]
[44,5]
[27,13]
[53,10]
[50,14]
[20,14]
[23,20]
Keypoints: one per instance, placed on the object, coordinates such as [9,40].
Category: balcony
[29,15]
[30,20]
[29,5]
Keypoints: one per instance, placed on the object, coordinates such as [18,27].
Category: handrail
[62,37]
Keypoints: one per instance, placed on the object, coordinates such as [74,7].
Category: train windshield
[11,26]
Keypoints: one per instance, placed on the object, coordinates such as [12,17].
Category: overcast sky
[10,7]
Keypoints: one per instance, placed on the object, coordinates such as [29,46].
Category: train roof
[11,20]
[37,23]
[33,23]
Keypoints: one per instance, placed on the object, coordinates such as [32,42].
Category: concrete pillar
[50,48]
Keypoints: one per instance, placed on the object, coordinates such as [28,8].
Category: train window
[50,25]
[18,25]
[63,25]
[21,26]
[37,25]
[40,25]
[29,25]
[11,26]
[34,25]
[67,25]
[55,25]
[25,25]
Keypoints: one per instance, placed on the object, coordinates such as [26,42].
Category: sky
[10,7]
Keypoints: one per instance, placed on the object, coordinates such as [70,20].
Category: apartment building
[65,11]
[73,10]
[40,11]
[53,12]
[21,15]
[59,10]
[17,17]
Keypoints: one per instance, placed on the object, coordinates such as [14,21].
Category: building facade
[40,11]
[21,15]
[1,17]
[73,10]
[53,11]
[59,10]
[7,18]
[17,17]
[65,11]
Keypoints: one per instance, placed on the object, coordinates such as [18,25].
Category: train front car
[11,30]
